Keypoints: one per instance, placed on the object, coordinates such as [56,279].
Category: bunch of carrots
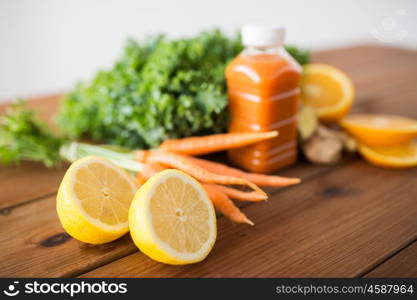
[215,178]
[31,140]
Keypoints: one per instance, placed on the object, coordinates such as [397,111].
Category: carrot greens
[23,136]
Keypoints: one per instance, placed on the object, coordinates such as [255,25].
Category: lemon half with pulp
[172,220]
[93,200]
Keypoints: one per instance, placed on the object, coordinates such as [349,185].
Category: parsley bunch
[23,136]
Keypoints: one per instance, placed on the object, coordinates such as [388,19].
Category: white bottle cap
[263,36]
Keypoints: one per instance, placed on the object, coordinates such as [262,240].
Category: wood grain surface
[34,253]
[350,219]
[334,227]
[403,264]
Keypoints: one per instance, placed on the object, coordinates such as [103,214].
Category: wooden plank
[338,225]
[38,239]
[26,182]
[403,264]
[33,243]
[356,59]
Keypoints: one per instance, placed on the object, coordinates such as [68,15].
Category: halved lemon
[329,90]
[402,156]
[93,200]
[380,130]
[172,220]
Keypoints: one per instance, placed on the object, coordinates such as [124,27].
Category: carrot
[220,200]
[217,142]
[259,179]
[142,155]
[226,206]
[149,169]
[140,179]
[241,195]
[184,164]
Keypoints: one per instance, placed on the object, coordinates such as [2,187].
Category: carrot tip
[247,221]
[273,133]
[265,198]
[295,180]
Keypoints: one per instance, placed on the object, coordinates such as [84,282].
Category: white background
[47,45]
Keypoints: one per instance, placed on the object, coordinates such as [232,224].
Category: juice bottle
[263,91]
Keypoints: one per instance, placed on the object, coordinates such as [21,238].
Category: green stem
[73,150]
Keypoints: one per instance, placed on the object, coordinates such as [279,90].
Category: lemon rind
[68,192]
[141,224]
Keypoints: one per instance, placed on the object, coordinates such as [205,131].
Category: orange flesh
[263,92]
[379,121]
[322,90]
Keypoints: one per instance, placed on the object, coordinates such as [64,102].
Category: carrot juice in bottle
[263,91]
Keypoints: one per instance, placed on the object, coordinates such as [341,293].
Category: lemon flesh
[172,220]
[93,200]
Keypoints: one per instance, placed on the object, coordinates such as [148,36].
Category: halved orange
[402,156]
[329,90]
[380,130]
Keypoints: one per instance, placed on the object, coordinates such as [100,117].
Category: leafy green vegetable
[23,136]
[300,55]
[157,90]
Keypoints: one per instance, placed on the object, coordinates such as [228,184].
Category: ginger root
[321,144]
[349,143]
[326,145]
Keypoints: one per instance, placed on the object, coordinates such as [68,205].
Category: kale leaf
[158,89]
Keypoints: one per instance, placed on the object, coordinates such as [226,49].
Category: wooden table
[351,219]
